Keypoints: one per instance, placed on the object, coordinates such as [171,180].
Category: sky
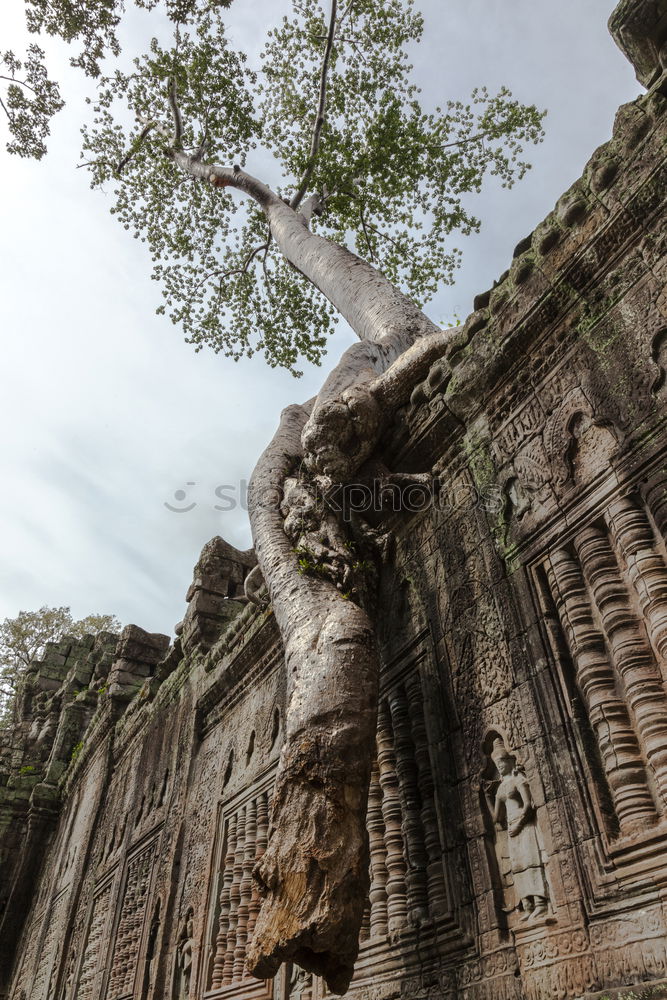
[109,419]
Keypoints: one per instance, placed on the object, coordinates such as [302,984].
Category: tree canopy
[333,103]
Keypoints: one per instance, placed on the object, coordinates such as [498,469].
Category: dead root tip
[263,967]
[336,974]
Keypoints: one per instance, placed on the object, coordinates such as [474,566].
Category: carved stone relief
[183,967]
[520,854]
[131,922]
[88,982]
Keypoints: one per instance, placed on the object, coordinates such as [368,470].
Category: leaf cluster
[392,175]
[30,101]
[332,110]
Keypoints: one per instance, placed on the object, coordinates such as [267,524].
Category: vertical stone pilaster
[437,896]
[225,907]
[234,899]
[397,904]
[632,659]
[619,748]
[376,835]
[634,540]
[261,839]
[411,826]
[245,888]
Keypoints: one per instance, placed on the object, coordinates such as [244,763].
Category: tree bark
[376,310]
[314,875]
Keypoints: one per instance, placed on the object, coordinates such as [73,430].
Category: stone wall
[523,623]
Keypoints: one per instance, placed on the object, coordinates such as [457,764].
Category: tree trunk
[376,310]
[314,875]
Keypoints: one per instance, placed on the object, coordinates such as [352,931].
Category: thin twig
[345,13]
[134,148]
[366,236]
[243,269]
[386,236]
[480,137]
[201,149]
[94,163]
[19,83]
[267,247]
[321,108]
[351,41]
[267,284]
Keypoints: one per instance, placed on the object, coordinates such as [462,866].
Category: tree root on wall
[314,876]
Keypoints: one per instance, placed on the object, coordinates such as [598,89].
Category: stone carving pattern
[95,941]
[568,427]
[558,965]
[483,671]
[201,820]
[635,541]
[436,891]
[613,568]
[128,935]
[51,942]
[407,879]
[245,841]
[29,955]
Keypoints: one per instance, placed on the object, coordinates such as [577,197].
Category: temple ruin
[517,812]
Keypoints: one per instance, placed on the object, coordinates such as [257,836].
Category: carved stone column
[408,784]
[235,899]
[225,907]
[248,864]
[397,904]
[378,891]
[619,749]
[260,847]
[631,655]
[634,539]
[437,896]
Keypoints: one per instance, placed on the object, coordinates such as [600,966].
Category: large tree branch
[321,109]
[177,138]
[375,309]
